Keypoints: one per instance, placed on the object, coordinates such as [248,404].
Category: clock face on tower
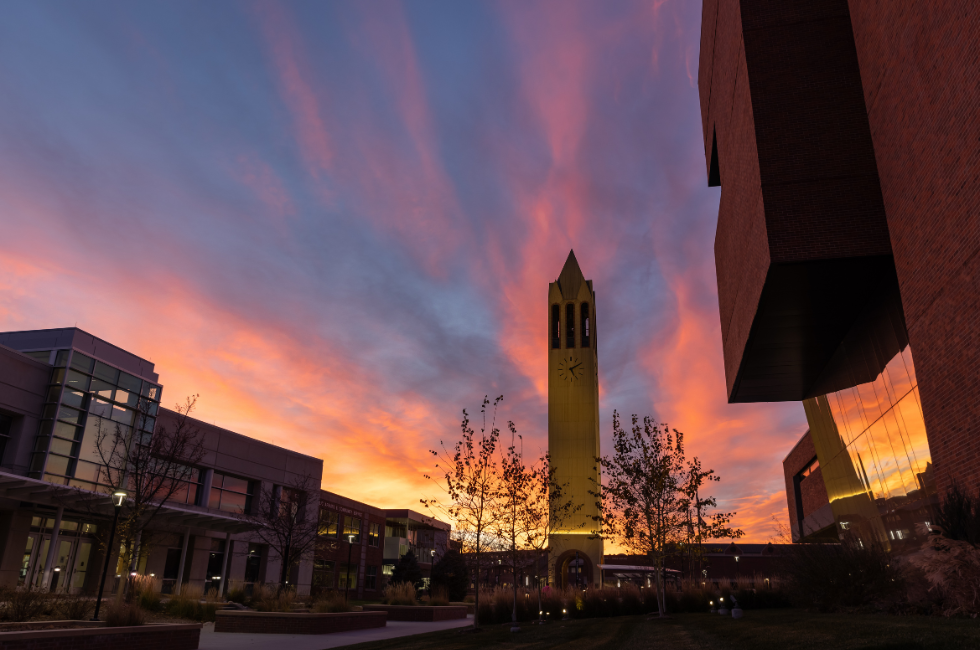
[571,369]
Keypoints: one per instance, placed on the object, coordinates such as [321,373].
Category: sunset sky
[337,221]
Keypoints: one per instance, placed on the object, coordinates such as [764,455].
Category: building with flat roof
[847,239]
[55,387]
[425,536]
[350,547]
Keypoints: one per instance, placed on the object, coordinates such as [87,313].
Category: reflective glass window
[122,415]
[152,391]
[329,523]
[71,415]
[64,447]
[87,471]
[58,376]
[6,422]
[57,464]
[73,398]
[41,444]
[352,526]
[81,362]
[61,358]
[53,393]
[100,408]
[41,355]
[129,382]
[106,373]
[78,381]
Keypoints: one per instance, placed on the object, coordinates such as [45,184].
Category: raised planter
[470,607]
[28,626]
[292,623]
[144,637]
[420,613]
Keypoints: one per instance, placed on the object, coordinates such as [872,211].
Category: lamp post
[350,547]
[118,498]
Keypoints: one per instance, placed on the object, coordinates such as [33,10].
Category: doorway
[71,562]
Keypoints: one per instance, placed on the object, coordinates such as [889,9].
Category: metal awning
[22,488]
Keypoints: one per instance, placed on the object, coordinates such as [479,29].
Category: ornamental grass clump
[120,614]
[400,593]
[236,592]
[24,605]
[268,598]
[147,593]
[330,603]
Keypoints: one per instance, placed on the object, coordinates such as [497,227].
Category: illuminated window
[329,523]
[374,535]
[352,526]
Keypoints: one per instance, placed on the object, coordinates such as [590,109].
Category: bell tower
[573,422]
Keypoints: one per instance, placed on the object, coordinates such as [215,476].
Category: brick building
[350,547]
[848,236]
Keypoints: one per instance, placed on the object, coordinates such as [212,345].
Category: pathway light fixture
[118,498]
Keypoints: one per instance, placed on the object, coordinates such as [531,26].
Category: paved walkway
[211,640]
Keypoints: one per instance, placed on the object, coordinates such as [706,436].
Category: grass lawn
[762,629]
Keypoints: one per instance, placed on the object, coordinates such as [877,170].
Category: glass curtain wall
[86,396]
[872,447]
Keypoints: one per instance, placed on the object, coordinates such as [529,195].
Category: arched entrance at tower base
[574,568]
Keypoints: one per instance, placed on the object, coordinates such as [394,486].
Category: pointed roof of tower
[571,277]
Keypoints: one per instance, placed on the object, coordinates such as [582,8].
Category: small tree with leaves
[695,507]
[286,518]
[470,479]
[152,467]
[546,507]
[639,500]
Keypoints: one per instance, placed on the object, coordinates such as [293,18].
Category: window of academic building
[371,578]
[85,396]
[6,423]
[875,459]
[352,527]
[329,523]
[374,535]
[230,493]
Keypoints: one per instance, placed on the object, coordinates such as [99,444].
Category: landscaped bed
[777,629]
[296,623]
[420,613]
[77,635]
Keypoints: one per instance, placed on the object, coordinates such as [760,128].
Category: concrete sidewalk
[211,640]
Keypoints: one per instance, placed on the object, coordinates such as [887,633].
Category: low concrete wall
[419,613]
[48,625]
[144,637]
[290,623]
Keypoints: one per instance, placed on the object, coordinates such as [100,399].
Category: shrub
[74,607]
[119,614]
[958,516]
[329,603]
[236,592]
[834,577]
[451,574]
[27,604]
[400,593]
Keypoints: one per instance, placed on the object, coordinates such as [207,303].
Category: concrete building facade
[55,386]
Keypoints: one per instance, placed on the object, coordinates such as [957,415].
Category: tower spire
[571,277]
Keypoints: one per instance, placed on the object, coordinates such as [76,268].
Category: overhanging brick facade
[844,138]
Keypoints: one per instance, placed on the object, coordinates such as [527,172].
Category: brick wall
[276,623]
[419,614]
[920,67]
[147,637]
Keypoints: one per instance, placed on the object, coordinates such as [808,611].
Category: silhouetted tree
[639,499]
[471,481]
[452,574]
[286,517]
[695,508]
[407,570]
[152,467]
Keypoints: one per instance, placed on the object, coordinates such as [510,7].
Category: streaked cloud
[337,221]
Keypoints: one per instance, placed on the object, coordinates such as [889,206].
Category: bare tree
[284,517]
[639,501]
[151,467]
[471,481]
